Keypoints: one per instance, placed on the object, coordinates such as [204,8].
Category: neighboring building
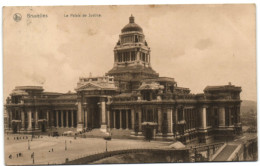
[132,97]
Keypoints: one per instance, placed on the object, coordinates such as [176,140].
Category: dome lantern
[131,19]
[132,26]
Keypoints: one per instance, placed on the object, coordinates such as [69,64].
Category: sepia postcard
[129,84]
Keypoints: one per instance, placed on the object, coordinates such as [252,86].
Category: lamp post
[106,145]
[65,145]
[28,144]
[32,156]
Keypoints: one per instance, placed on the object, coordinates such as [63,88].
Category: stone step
[120,133]
[225,153]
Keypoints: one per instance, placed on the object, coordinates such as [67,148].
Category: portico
[94,94]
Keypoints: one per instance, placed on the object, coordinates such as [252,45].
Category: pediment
[147,87]
[89,86]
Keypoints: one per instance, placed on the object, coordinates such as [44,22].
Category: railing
[210,149]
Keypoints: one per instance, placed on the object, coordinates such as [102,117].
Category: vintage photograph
[124,84]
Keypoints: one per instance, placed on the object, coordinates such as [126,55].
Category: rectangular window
[143,115]
[235,115]
[180,115]
[149,115]
[143,57]
[132,56]
[216,123]
[155,115]
[232,115]
[119,57]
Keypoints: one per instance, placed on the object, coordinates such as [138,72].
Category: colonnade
[28,120]
[65,118]
[121,119]
[223,115]
[128,118]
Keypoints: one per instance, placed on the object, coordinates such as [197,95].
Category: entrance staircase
[115,133]
[95,133]
[120,133]
[225,153]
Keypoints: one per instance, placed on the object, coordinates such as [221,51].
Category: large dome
[132,26]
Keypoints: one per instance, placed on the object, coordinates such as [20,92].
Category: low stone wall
[175,155]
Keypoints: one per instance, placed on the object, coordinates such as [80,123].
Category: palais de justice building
[130,97]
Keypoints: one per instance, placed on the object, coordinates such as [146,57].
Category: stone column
[108,119]
[79,112]
[126,116]
[133,118]
[140,120]
[47,118]
[120,111]
[86,117]
[114,112]
[103,114]
[67,119]
[57,119]
[62,119]
[22,119]
[176,116]
[203,116]
[50,118]
[169,118]
[138,55]
[29,114]
[79,116]
[36,119]
[176,121]
[159,120]
[9,119]
[72,118]
[222,116]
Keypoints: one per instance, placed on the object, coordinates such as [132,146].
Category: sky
[198,45]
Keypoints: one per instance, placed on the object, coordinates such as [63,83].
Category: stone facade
[131,96]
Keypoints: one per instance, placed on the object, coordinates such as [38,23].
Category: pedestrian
[52,149]
[14,138]
[10,156]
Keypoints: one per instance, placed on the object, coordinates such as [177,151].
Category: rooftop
[132,69]
[28,88]
[160,79]
[68,96]
[222,87]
